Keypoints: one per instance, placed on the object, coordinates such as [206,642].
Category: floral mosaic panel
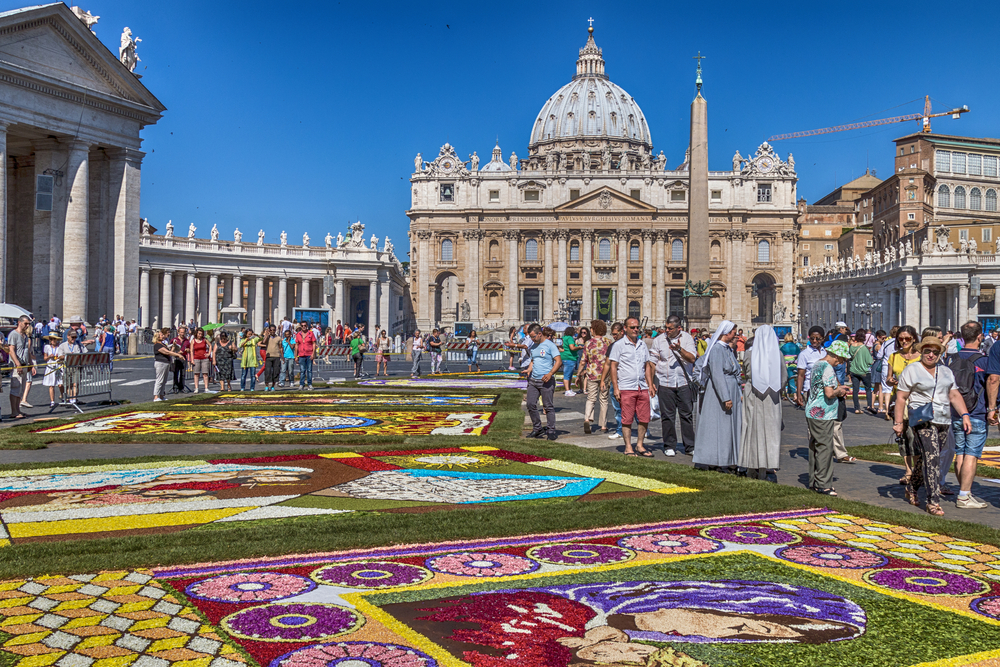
[112,500]
[448,383]
[303,422]
[345,398]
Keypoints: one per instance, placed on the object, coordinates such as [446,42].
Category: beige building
[593,222]
[821,224]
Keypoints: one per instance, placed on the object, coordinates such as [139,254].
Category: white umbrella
[12,311]
[559,326]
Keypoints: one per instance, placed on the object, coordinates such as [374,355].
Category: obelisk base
[699,312]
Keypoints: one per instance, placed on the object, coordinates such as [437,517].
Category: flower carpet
[337,399]
[115,500]
[804,587]
[303,422]
[458,382]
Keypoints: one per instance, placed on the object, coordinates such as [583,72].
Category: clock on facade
[765,163]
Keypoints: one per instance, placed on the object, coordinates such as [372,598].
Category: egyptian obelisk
[698,292]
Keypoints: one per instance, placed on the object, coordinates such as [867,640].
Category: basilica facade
[593,222]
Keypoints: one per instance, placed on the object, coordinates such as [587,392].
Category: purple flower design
[820,555]
[580,554]
[751,534]
[670,543]
[372,574]
[250,587]
[988,606]
[926,582]
[355,654]
[485,564]
[292,622]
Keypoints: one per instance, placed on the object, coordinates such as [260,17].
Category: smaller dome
[497,164]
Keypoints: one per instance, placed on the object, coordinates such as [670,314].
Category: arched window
[976,199]
[944,196]
[604,249]
[960,197]
[991,200]
[716,251]
[494,251]
[633,252]
[574,251]
[634,310]
[531,250]
[447,250]
[763,251]
[677,251]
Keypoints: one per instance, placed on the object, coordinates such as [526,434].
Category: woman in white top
[53,368]
[929,383]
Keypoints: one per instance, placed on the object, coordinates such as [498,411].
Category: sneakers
[536,433]
[25,404]
[157,400]
[970,502]
[570,393]
[614,436]
[669,452]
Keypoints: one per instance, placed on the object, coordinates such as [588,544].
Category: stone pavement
[872,483]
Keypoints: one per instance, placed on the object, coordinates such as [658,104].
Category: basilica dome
[591,108]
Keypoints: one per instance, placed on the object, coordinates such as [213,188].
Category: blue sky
[304,116]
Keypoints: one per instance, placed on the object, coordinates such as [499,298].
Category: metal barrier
[492,352]
[87,374]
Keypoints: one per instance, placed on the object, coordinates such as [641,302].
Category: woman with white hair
[720,411]
[760,443]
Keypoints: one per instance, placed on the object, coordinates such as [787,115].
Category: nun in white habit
[761,440]
[720,411]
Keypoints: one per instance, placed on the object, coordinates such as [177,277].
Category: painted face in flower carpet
[289,423]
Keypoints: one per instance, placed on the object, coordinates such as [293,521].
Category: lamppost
[566,308]
[867,307]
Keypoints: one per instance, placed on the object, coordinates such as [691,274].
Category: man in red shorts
[632,378]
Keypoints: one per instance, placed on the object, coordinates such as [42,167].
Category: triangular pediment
[50,44]
[605,200]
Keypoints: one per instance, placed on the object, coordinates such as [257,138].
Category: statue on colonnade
[126,51]
[329,239]
[170,229]
[260,237]
[215,232]
[305,240]
[238,236]
[191,230]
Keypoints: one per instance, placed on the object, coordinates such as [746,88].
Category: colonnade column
[125,169]
[474,287]
[662,302]
[282,298]
[167,302]
[237,291]
[155,292]
[587,308]
[213,297]
[189,297]
[925,307]
[963,305]
[621,298]
[383,302]
[203,299]
[548,294]
[340,303]
[372,306]
[145,320]
[258,306]
[76,234]
[304,293]
[647,275]
[512,311]
[562,235]
[424,307]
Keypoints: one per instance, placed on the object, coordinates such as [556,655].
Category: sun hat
[54,335]
[840,324]
[929,341]
[840,349]
[76,319]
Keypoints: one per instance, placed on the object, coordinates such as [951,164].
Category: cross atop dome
[590,62]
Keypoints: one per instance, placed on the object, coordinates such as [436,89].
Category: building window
[764,193]
[574,275]
[531,250]
[805,232]
[447,250]
[531,275]
[494,251]
[677,250]
[805,261]
[942,161]
[991,200]
[963,235]
[633,276]
[633,252]
[716,195]
[960,197]
[677,276]
[975,199]
[989,165]
[958,163]
[715,254]
[531,195]
[634,309]
[988,235]
[868,243]
[494,196]
[635,194]
[805,246]
[828,232]
[677,195]
[574,194]
[763,251]
[975,165]
[911,216]
[574,251]
[944,196]
[829,246]
[604,250]
[447,192]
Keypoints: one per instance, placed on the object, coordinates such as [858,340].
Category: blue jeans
[970,444]
[568,367]
[287,370]
[618,412]
[248,372]
[305,371]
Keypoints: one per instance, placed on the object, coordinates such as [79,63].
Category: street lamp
[867,307]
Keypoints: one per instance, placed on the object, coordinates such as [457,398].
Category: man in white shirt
[632,380]
[285,325]
[674,353]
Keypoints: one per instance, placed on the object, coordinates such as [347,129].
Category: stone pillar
[167,301]
[258,305]
[474,286]
[372,306]
[282,298]
[662,302]
[587,308]
[237,291]
[213,297]
[647,276]
[548,294]
[925,308]
[43,268]
[304,293]
[227,291]
[562,235]
[787,271]
[340,302]
[963,305]
[189,297]
[511,313]
[155,302]
[425,308]
[203,299]
[385,292]
[145,321]
[76,234]
[125,169]
[621,298]
[699,309]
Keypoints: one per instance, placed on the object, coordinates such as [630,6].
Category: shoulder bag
[695,387]
[924,414]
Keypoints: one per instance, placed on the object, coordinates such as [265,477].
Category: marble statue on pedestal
[238,236]
[388,247]
[418,163]
[191,230]
[374,243]
[791,162]
[145,227]
[340,239]
[737,162]
[973,247]
[126,51]
[661,162]
[474,159]
[170,229]
[88,19]
[513,160]
[606,159]
[328,239]
[260,237]
[284,238]
[925,246]
[963,246]
[357,235]
[305,240]
[215,232]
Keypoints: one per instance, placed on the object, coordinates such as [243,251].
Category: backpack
[964,370]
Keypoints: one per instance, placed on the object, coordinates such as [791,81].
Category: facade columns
[305,288]
[282,298]
[155,300]
[237,301]
[474,286]
[372,306]
[621,298]
[167,301]
[925,307]
[44,270]
[189,297]
[647,276]
[787,271]
[963,305]
[385,292]
[125,170]
[76,235]
[512,311]
[340,302]
[548,294]
[587,306]
[213,297]
[425,308]
[203,299]
[258,305]
[145,320]
[562,235]
[662,302]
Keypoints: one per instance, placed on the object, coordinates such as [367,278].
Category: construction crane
[924,117]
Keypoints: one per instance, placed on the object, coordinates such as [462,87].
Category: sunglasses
[630,327]
[936,353]
[904,339]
